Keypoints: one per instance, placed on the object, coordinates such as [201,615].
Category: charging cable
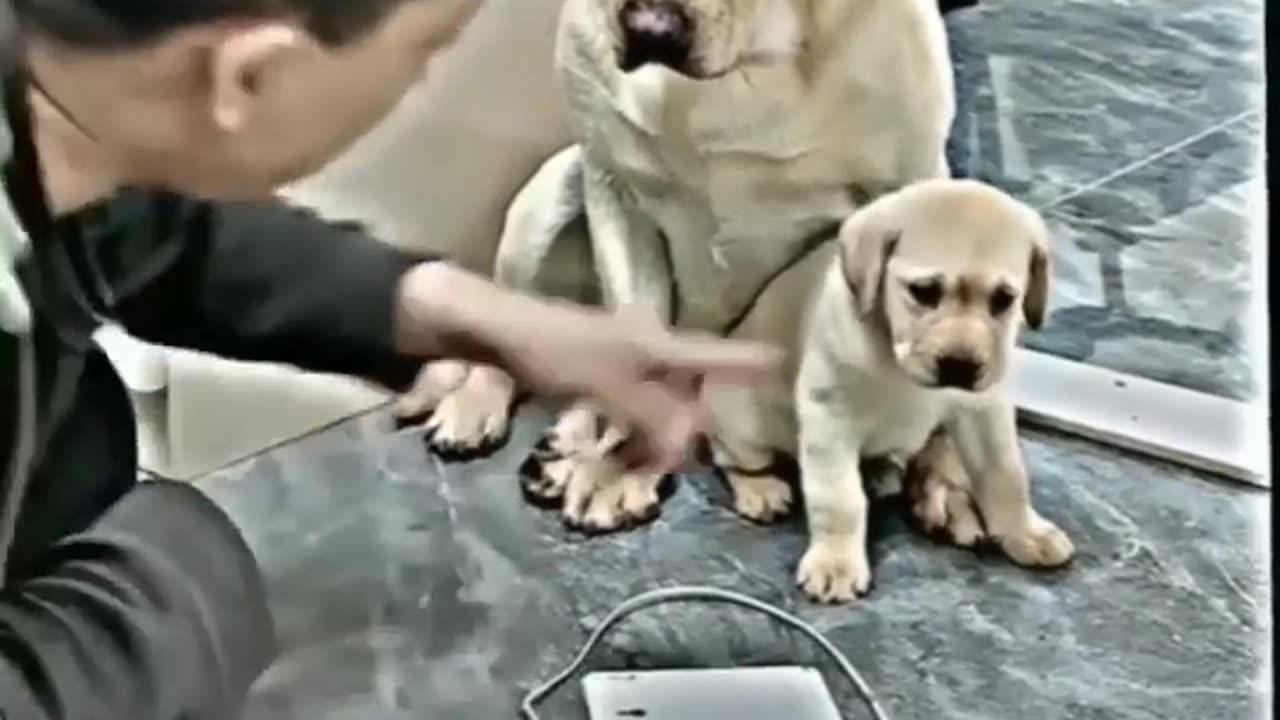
[698,594]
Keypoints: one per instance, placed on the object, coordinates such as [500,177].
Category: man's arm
[259,281]
[156,613]
[267,282]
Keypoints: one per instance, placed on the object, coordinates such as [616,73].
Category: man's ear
[239,60]
[867,242]
[1035,301]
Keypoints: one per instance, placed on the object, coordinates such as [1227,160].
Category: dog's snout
[655,31]
[958,371]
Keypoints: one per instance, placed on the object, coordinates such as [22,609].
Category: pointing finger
[663,426]
[724,361]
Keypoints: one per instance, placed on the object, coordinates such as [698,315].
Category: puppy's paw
[946,512]
[600,500]
[471,421]
[1037,543]
[834,570]
[760,498]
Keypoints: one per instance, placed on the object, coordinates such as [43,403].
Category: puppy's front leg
[631,264]
[987,440]
[835,567]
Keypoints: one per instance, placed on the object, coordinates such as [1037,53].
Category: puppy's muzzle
[656,31]
[958,371]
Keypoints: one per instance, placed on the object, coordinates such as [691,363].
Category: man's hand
[643,374]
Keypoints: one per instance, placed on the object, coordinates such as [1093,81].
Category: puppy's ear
[1035,301]
[867,242]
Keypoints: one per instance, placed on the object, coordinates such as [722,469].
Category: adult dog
[906,326]
[718,140]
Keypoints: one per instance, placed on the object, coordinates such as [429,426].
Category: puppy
[717,141]
[904,327]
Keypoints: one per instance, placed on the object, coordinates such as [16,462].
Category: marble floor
[407,588]
[1137,127]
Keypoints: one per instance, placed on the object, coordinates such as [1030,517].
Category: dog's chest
[904,417]
[728,239]
[732,217]
[741,182]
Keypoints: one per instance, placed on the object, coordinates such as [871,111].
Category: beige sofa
[436,175]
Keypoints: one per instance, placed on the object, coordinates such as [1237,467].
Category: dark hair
[116,24]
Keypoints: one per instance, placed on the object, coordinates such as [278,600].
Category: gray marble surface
[1137,127]
[407,588]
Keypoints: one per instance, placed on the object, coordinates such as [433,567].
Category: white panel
[1203,431]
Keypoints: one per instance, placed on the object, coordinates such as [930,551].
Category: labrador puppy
[718,140]
[906,327]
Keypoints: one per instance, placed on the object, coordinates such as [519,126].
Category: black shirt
[140,600]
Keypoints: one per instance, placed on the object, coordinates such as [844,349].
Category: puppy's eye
[927,293]
[1001,300]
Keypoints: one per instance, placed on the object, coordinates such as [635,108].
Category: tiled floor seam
[1149,159]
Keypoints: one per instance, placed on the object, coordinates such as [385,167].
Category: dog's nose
[655,31]
[958,371]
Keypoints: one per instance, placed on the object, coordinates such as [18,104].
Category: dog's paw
[434,381]
[470,422]
[545,474]
[599,500]
[834,570]
[1037,543]
[593,494]
[760,498]
[946,512]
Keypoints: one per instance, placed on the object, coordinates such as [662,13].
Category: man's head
[954,269]
[229,98]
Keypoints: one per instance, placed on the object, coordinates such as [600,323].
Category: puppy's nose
[655,31]
[958,371]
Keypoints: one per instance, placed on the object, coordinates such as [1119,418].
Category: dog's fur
[699,180]
[940,271]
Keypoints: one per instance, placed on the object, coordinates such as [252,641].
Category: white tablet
[757,693]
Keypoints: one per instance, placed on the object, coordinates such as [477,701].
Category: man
[140,601]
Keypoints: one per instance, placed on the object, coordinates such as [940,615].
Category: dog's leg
[835,567]
[596,492]
[940,494]
[435,380]
[473,418]
[740,453]
[759,493]
[987,441]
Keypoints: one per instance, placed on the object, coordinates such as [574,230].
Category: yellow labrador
[906,326]
[717,141]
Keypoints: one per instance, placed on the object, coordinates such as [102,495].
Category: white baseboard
[219,411]
[1202,431]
